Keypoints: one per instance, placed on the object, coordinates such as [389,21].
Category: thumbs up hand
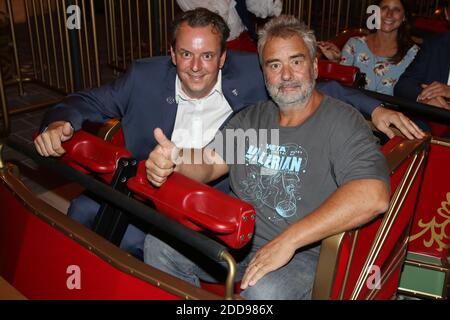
[49,142]
[161,161]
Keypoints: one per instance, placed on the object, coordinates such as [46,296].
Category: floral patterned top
[381,75]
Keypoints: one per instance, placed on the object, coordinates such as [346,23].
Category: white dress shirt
[448,81]
[198,120]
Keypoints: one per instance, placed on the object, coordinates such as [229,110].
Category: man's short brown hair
[201,17]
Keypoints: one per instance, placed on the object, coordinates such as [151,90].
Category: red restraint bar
[196,205]
[199,207]
[91,155]
[329,70]
[431,25]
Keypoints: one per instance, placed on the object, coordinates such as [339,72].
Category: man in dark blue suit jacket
[145,98]
[427,79]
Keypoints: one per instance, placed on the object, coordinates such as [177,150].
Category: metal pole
[347,14]
[62,46]
[16,55]
[81,51]
[338,17]
[150,29]
[52,31]
[47,53]
[38,41]
[309,13]
[6,124]
[108,45]
[97,61]
[86,39]
[131,30]
[30,34]
[138,14]
[75,55]
[122,33]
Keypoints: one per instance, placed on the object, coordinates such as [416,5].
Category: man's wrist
[377,108]
[57,124]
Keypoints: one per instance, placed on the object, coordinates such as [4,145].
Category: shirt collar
[180,94]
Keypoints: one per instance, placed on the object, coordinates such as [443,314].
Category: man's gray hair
[284,27]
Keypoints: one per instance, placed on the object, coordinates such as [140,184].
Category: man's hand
[271,257]
[330,50]
[48,143]
[434,90]
[160,163]
[437,102]
[382,118]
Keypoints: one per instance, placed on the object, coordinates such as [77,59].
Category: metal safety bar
[203,244]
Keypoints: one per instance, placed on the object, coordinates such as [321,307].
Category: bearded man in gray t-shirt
[308,163]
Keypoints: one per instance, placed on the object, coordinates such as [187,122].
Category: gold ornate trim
[433,226]
[437,230]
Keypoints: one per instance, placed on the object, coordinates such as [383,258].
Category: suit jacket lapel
[230,89]
[444,66]
[169,103]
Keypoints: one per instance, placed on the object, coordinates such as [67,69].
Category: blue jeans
[83,209]
[294,281]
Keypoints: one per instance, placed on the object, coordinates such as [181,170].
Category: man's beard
[288,101]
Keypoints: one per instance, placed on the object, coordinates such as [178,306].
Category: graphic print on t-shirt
[274,178]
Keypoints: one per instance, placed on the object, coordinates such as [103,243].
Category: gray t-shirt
[286,180]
